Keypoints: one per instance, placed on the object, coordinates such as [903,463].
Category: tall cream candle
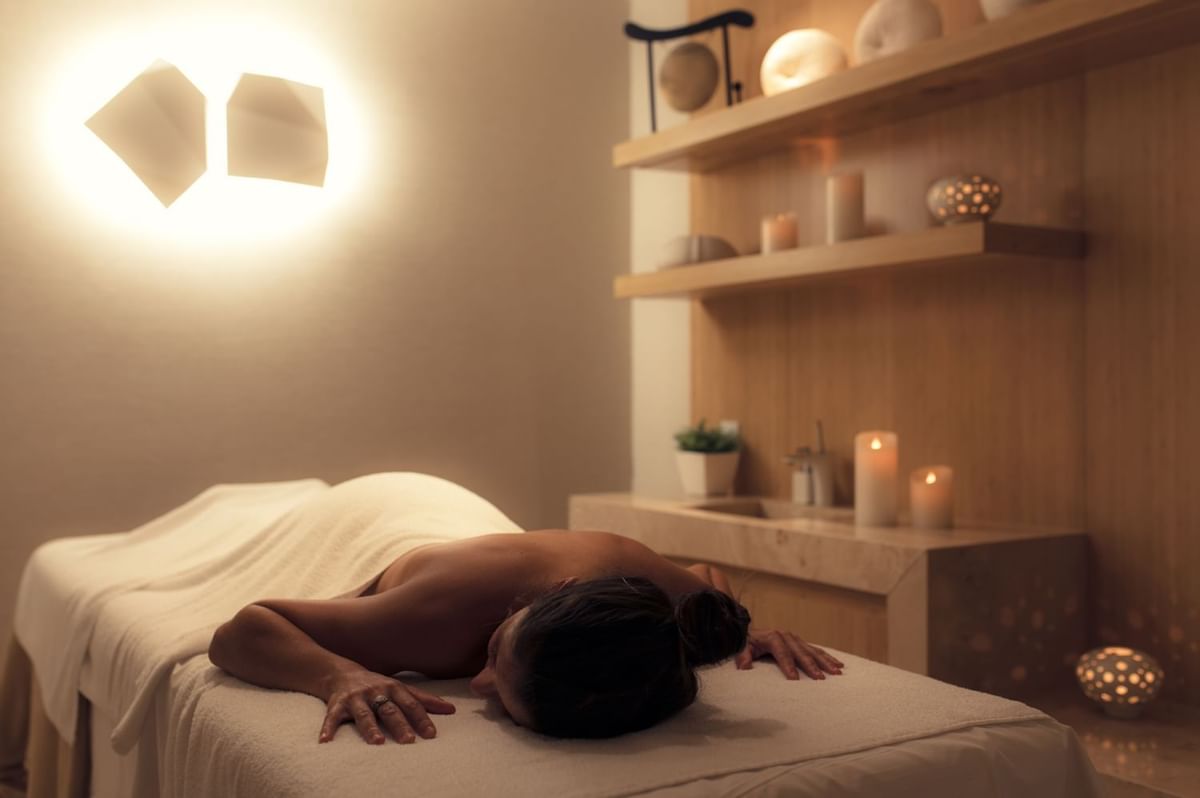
[779,232]
[931,494]
[876,464]
[844,207]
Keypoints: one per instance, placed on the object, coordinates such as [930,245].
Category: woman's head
[609,656]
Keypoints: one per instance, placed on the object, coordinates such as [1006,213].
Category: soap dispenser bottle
[802,487]
[821,469]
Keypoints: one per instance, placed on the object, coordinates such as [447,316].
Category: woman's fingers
[782,653]
[391,715]
[334,717]
[790,653]
[435,704]
[376,703]
[415,712]
[364,719]
[829,663]
[807,659]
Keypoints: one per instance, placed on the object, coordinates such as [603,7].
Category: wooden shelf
[1038,44]
[969,242]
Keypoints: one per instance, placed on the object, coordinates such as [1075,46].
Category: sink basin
[754,508]
[774,509]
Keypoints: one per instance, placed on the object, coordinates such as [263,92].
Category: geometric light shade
[1120,679]
[156,126]
[276,130]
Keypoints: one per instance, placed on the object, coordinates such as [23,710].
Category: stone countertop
[775,536]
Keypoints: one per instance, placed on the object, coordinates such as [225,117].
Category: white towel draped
[140,603]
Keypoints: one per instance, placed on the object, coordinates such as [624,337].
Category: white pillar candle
[876,463]
[779,232]
[844,207]
[931,491]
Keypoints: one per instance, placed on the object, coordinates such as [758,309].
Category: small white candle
[844,207]
[779,232]
[931,493]
[876,464]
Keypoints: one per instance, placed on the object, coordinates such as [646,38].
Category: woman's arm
[262,647]
[333,650]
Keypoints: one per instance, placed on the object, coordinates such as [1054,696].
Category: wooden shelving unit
[965,243]
[1038,44]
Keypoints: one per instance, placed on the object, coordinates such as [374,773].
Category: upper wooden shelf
[968,242]
[1037,44]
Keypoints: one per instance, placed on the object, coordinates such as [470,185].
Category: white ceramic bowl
[694,249]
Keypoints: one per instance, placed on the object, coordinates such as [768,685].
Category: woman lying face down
[573,634]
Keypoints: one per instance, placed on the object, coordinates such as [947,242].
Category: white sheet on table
[875,730]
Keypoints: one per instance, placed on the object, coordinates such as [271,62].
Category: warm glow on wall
[214,54]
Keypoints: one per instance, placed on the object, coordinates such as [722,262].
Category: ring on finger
[379,701]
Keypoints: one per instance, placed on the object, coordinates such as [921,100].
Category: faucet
[812,479]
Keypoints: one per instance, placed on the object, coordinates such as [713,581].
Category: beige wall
[450,314]
[661,339]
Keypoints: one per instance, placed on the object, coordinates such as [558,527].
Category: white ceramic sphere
[798,58]
[890,26]
[995,9]
[689,76]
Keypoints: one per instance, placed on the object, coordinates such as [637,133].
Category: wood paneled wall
[1062,394]
[1142,194]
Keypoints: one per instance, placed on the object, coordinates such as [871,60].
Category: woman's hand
[788,651]
[371,700]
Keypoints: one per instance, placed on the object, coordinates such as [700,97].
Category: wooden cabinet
[995,609]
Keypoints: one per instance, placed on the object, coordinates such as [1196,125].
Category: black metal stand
[742,19]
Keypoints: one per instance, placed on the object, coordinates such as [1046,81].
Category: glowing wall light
[85,64]
[277,130]
[156,126]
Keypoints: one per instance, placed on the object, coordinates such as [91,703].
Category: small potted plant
[708,458]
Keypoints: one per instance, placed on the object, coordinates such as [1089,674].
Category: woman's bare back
[433,609]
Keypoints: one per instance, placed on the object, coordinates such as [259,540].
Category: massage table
[139,710]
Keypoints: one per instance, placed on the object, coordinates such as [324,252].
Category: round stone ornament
[689,76]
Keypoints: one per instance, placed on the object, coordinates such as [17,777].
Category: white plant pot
[707,474]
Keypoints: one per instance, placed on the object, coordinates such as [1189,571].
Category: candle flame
[876,444]
[930,478]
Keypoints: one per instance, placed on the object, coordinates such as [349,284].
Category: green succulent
[710,440]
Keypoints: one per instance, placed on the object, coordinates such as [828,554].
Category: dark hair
[615,655]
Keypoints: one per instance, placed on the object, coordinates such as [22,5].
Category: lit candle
[876,458]
[931,493]
[779,232]
[844,207]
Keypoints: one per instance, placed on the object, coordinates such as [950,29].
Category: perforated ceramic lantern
[963,198]
[1120,679]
